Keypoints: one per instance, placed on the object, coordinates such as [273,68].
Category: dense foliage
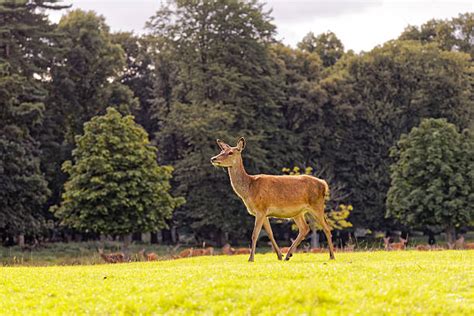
[115,185]
[433,177]
[212,69]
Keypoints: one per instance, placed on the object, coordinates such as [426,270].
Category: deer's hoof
[250,259]
[287,258]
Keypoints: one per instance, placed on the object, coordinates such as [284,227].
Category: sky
[360,24]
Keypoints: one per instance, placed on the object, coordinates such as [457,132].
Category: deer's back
[287,194]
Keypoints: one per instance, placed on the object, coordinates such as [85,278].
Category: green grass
[371,283]
[74,253]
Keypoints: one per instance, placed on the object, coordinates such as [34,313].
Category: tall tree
[83,83]
[298,78]
[223,88]
[115,185]
[433,177]
[456,34]
[26,51]
[23,188]
[142,68]
[327,45]
[394,87]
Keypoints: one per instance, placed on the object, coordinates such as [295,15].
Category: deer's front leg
[259,219]
[268,229]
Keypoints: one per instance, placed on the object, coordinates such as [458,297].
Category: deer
[242,251]
[469,245]
[423,247]
[148,256]
[283,196]
[395,246]
[228,250]
[115,257]
[209,251]
[460,244]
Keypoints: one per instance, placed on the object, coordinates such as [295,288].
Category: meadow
[378,282]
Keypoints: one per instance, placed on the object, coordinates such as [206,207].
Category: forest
[110,133]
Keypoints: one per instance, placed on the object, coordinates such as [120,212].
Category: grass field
[372,283]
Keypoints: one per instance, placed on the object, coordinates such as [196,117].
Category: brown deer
[469,245]
[148,256]
[209,251]
[423,247]
[228,250]
[459,244]
[188,252]
[115,257]
[242,251]
[395,246]
[275,196]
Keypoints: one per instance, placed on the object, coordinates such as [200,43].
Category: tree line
[206,70]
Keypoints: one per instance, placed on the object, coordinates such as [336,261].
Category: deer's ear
[241,144]
[221,144]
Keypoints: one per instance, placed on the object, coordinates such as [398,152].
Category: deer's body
[395,246]
[228,250]
[186,253]
[278,196]
[423,247]
[275,196]
[116,257]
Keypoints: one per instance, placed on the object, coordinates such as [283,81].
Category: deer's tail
[327,192]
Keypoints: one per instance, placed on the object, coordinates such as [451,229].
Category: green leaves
[432,179]
[115,185]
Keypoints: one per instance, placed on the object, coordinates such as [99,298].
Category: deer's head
[228,156]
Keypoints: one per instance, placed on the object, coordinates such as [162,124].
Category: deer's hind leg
[303,228]
[317,211]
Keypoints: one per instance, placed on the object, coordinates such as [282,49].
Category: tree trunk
[174,235]
[127,239]
[137,237]
[77,237]
[166,236]
[450,236]
[21,240]
[221,238]
[314,239]
[154,237]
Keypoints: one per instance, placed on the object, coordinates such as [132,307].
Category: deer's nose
[213,159]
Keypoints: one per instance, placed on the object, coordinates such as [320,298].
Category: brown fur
[151,256]
[469,245]
[423,247]
[317,250]
[395,246]
[459,243]
[275,196]
[116,257]
[196,252]
[228,250]
[186,253]
[242,251]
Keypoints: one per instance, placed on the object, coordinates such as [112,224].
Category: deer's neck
[239,179]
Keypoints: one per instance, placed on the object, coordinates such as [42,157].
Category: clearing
[379,282]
